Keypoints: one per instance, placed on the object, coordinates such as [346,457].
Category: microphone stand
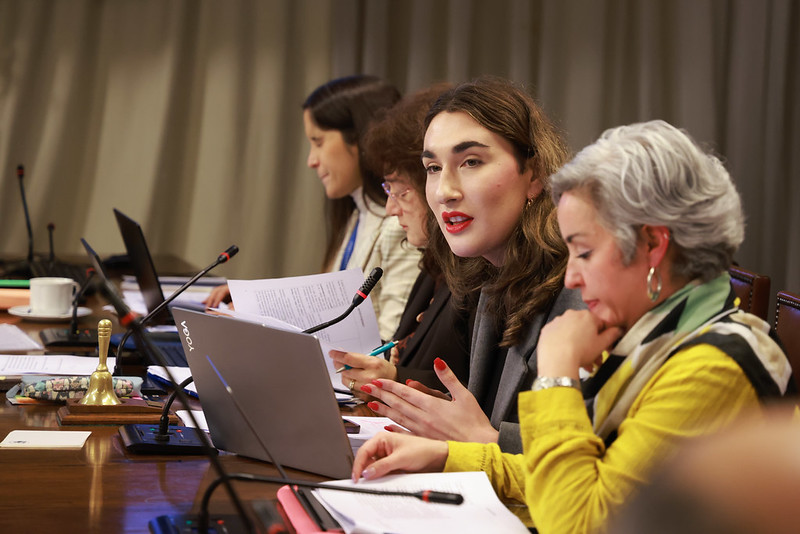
[222,258]
[21,176]
[22,268]
[72,337]
[127,319]
[144,439]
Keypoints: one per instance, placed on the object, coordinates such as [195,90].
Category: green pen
[376,352]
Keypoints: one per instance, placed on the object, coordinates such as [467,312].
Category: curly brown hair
[394,144]
[532,274]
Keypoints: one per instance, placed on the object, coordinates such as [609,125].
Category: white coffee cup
[51,296]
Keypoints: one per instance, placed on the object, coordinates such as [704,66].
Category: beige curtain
[186,114]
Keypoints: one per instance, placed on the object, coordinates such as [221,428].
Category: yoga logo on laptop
[187,335]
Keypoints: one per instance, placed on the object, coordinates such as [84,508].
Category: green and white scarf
[697,313]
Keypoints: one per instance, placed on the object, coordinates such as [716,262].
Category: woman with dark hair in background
[431,326]
[336,116]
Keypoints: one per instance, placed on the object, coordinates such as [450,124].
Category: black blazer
[444,332]
[519,369]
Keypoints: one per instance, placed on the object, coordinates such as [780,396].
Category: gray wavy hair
[653,173]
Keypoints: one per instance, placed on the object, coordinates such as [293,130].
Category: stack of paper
[480,512]
[50,364]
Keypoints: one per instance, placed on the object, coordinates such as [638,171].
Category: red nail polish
[388,428]
[408,382]
[366,389]
[373,406]
[377,383]
[439,364]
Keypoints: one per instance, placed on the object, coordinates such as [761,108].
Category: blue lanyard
[348,251]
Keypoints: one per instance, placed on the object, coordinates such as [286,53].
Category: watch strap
[547,382]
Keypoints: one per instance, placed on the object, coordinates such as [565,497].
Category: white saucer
[26,313]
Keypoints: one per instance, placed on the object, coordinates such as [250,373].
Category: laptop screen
[143,267]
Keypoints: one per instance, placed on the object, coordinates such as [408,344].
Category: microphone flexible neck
[21,176]
[359,297]
[224,257]
[319,327]
[73,324]
[439,497]
[163,428]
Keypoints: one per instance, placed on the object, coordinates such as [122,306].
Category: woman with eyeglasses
[336,117]
[432,326]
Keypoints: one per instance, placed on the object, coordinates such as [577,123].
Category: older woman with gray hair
[651,223]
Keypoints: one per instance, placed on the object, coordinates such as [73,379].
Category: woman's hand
[363,369]
[388,453]
[217,296]
[573,340]
[419,386]
[459,419]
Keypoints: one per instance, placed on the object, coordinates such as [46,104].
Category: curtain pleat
[186,114]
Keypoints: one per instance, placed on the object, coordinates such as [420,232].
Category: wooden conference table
[102,487]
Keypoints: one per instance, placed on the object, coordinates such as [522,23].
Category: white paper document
[14,339]
[480,512]
[199,416]
[192,297]
[306,301]
[45,439]
[39,364]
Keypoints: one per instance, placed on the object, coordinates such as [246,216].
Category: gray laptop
[279,379]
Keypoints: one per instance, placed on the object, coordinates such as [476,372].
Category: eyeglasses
[397,197]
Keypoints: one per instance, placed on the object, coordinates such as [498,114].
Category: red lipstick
[455,221]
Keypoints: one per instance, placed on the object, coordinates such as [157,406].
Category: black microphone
[21,176]
[359,297]
[129,320]
[22,268]
[222,258]
[72,336]
[50,228]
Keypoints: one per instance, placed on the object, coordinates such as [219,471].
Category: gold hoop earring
[653,292]
[528,203]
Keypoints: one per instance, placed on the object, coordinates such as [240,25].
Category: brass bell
[101,385]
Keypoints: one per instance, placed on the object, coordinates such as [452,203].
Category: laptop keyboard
[172,353]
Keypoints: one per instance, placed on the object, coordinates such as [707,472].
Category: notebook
[281,382]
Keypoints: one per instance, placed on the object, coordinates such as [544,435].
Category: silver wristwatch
[547,382]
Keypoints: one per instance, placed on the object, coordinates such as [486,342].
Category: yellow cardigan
[568,479]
